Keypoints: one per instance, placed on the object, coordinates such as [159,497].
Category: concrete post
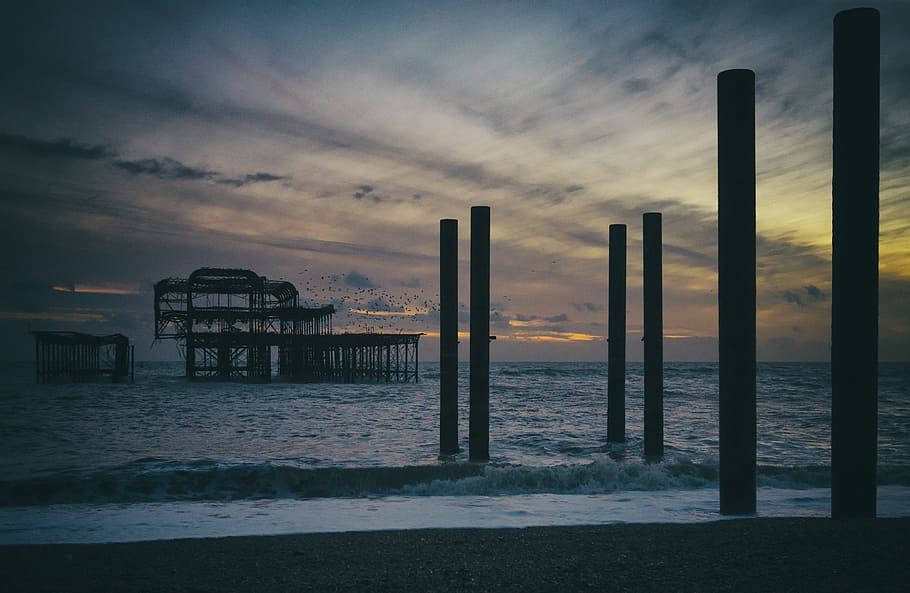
[616,336]
[448,336]
[653,335]
[854,278]
[479,413]
[736,288]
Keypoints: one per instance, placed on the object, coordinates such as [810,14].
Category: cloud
[381,304]
[521,320]
[164,168]
[358,280]
[793,297]
[61,147]
[367,190]
[804,296]
[590,307]
[815,292]
[258,177]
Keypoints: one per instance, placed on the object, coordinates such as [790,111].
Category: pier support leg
[736,288]
[653,335]
[479,413]
[190,356]
[616,336]
[448,337]
[854,278]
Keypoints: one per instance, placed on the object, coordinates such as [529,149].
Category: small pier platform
[73,357]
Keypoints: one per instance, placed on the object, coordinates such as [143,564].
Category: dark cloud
[574,188]
[562,317]
[165,168]
[358,280]
[258,177]
[364,191]
[591,307]
[412,283]
[59,148]
[815,292]
[793,297]
[804,296]
[381,304]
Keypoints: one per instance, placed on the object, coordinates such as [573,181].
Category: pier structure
[73,357]
[227,321]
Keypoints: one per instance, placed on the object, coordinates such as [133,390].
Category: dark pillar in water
[190,345]
[479,413]
[736,288]
[653,335]
[616,336]
[448,336]
[854,278]
[224,357]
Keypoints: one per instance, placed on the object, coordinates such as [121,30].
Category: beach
[776,555]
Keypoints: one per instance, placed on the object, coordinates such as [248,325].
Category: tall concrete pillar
[854,278]
[479,413]
[616,336]
[448,336]
[736,288]
[653,335]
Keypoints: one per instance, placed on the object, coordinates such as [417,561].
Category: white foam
[82,523]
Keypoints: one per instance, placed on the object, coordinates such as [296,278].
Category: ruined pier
[228,320]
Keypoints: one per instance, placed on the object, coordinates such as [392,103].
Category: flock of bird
[363,306]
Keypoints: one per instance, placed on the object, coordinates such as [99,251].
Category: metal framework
[72,357]
[228,320]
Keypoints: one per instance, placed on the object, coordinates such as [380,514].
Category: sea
[168,458]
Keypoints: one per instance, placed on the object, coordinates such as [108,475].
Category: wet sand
[774,555]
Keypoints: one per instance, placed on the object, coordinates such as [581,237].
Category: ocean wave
[155,480]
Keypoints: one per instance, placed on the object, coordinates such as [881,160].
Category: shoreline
[755,554]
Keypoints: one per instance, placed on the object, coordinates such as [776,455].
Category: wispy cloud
[164,168]
[258,177]
[60,147]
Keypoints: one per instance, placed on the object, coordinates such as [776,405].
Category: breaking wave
[151,480]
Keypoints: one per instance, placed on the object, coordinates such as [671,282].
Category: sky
[322,142]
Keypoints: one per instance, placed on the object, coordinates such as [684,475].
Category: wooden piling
[616,336]
[448,336]
[736,288]
[854,278]
[653,335]
[479,412]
